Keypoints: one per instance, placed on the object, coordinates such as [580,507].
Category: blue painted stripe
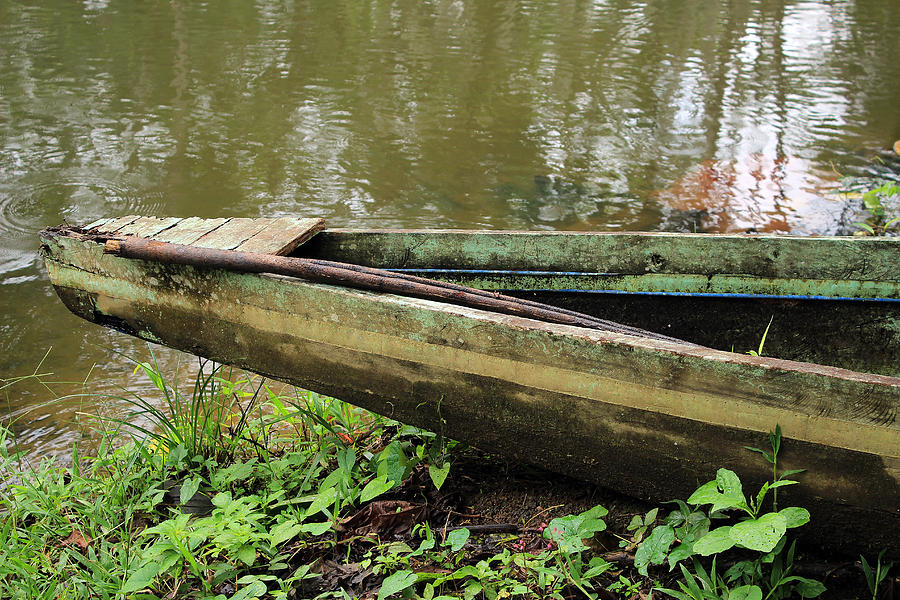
[710,295]
[501,272]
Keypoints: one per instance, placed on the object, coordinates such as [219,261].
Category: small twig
[444,531]
[544,511]
[619,558]
[488,528]
[465,515]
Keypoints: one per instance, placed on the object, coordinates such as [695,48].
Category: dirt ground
[490,491]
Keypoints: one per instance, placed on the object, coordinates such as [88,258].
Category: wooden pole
[366,278]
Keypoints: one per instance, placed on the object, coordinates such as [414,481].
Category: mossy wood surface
[649,418]
[719,291]
[868,264]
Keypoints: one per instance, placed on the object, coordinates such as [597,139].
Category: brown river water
[707,115]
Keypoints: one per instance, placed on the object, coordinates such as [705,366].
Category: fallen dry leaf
[77,538]
[384,518]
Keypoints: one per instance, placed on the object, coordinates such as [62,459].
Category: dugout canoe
[649,417]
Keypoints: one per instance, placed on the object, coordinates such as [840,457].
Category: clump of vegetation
[880,199]
[241,489]
[762,532]
[879,194]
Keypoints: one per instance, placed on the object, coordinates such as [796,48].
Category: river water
[707,115]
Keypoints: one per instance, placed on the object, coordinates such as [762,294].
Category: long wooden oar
[360,277]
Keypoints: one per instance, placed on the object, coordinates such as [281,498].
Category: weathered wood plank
[97,223]
[114,225]
[189,230]
[267,236]
[283,235]
[233,233]
[148,226]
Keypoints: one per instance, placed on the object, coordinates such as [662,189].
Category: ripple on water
[26,208]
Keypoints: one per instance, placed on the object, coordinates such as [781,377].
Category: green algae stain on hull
[787,258]
[718,291]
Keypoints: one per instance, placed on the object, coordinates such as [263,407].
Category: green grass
[271,472]
[69,532]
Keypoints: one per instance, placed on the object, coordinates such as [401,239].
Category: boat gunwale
[602,336]
[648,234]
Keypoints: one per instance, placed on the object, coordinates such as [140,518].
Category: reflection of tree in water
[873,75]
[771,99]
[425,113]
[740,196]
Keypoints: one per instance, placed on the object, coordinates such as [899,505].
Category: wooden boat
[649,417]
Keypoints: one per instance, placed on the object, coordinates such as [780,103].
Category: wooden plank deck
[265,236]
[232,234]
[285,233]
[112,225]
[148,226]
[188,231]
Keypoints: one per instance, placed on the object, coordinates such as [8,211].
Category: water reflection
[561,114]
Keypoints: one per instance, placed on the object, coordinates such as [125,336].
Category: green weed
[209,422]
[875,576]
[762,341]
[760,531]
[878,197]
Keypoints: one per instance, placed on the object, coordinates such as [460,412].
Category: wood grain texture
[98,223]
[188,231]
[279,236]
[148,226]
[113,225]
[234,233]
[282,236]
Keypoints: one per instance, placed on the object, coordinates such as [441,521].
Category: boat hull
[650,418]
